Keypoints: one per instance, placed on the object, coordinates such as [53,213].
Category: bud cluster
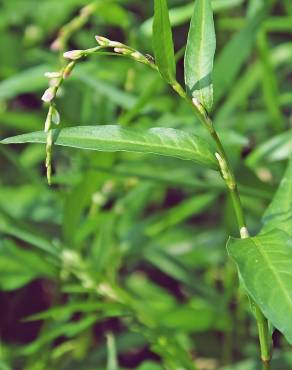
[123,49]
[56,79]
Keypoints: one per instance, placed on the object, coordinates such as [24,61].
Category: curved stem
[231,184]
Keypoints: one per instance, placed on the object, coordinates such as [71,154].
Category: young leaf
[162,41]
[113,138]
[264,263]
[200,53]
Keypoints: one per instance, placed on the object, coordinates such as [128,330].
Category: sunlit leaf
[110,138]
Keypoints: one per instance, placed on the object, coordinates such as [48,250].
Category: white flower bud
[52,74]
[73,54]
[68,69]
[122,51]
[49,95]
[102,41]
[138,56]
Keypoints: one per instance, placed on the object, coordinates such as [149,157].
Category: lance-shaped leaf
[112,138]
[279,212]
[200,53]
[264,264]
[162,41]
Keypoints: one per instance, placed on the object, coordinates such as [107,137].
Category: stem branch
[230,181]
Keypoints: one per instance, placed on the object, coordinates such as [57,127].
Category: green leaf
[24,82]
[264,263]
[241,46]
[279,213]
[277,148]
[19,266]
[162,41]
[200,53]
[181,14]
[113,138]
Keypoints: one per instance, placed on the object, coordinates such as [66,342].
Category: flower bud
[123,51]
[102,41]
[73,54]
[52,74]
[49,95]
[55,116]
[138,56]
[68,69]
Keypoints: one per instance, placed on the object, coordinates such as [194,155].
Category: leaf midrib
[202,156]
[273,270]
[141,143]
[200,52]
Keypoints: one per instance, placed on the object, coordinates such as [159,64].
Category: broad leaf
[200,53]
[279,213]
[162,41]
[264,263]
[112,138]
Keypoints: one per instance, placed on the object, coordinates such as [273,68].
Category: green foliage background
[122,262]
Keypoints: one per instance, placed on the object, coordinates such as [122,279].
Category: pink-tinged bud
[73,54]
[68,69]
[54,82]
[52,74]
[102,41]
[49,95]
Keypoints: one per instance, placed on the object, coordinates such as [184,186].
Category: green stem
[230,181]
[264,336]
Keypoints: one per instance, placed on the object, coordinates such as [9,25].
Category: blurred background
[121,263]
